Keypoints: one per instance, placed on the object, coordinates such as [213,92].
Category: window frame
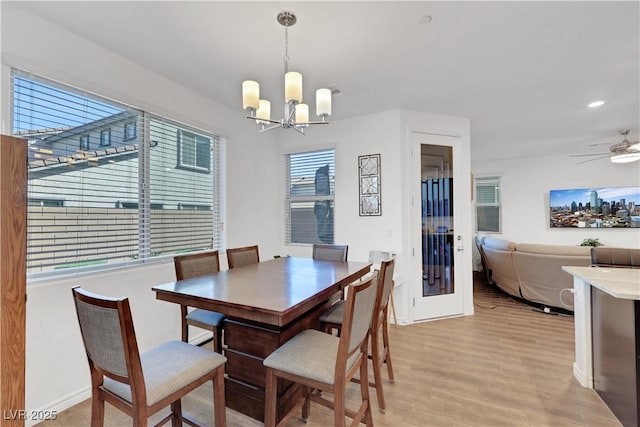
[102,138]
[134,134]
[84,142]
[497,204]
[291,199]
[142,144]
[181,140]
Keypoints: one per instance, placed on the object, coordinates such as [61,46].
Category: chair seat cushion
[207,317]
[169,367]
[310,354]
[334,314]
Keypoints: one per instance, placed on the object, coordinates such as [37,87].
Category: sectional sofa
[532,272]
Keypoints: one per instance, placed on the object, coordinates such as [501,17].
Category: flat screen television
[601,207]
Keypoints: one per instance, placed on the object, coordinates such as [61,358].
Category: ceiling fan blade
[586,155]
[592,160]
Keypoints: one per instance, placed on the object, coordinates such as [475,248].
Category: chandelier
[296,113]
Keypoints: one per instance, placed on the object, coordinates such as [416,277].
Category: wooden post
[13,279]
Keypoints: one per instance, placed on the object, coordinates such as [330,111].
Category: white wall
[525,197]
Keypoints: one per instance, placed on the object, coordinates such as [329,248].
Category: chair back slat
[195,265]
[240,257]
[330,252]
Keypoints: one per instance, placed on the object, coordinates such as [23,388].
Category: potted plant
[591,242]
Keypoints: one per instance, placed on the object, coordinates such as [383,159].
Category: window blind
[106,184]
[309,204]
[488,204]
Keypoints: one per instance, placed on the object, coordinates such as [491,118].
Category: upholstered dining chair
[330,252]
[380,351]
[194,265]
[239,257]
[141,384]
[321,362]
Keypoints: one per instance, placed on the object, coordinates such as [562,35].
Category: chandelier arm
[264,120]
[275,126]
[313,123]
[297,129]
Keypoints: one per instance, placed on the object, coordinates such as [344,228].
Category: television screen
[603,207]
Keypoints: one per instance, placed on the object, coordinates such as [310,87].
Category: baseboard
[59,405]
[584,379]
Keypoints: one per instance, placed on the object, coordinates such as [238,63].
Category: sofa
[532,272]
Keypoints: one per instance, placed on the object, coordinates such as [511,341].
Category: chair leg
[270,399]
[185,327]
[339,408]
[306,391]
[219,405]
[364,389]
[176,413]
[387,350]
[217,339]
[97,409]
[377,375]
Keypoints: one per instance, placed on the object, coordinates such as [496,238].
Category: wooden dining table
[265,305]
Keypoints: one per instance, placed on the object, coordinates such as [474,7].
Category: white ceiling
[523,72]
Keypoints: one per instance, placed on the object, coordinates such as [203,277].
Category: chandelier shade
[296,113]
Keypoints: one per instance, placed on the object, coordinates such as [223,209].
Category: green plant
[591,242]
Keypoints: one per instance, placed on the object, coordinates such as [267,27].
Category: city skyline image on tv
[601,207]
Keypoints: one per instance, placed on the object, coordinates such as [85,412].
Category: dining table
[265,305]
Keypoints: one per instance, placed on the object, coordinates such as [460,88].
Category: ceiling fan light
[625,157]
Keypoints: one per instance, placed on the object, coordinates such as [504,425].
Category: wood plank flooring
[505,366]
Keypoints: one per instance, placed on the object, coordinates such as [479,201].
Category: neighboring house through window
[488,207]
[310,186]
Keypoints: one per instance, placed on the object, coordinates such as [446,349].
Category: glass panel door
[438,227]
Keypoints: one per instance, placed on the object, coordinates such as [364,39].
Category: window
[105,137]
[194,151]
[123,204]
[488,212]
[84,142]
[129,131]
[310,185]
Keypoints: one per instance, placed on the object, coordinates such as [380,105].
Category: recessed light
[595,104]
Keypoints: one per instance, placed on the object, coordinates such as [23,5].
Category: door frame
[462,190]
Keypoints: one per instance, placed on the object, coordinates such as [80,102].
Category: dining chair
[330,252]
[380,354]
[194,265]
[325,363]
[239,257]
[141,384]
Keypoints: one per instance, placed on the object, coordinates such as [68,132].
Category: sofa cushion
[615,257]
[498,244]
[561,250]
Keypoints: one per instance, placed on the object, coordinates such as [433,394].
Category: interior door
[437,227]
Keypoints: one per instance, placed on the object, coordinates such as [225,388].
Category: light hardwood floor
[505,366]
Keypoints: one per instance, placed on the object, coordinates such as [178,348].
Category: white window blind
[93,203]
[310,185]
[488,208]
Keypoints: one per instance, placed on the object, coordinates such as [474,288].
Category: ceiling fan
[622,152]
